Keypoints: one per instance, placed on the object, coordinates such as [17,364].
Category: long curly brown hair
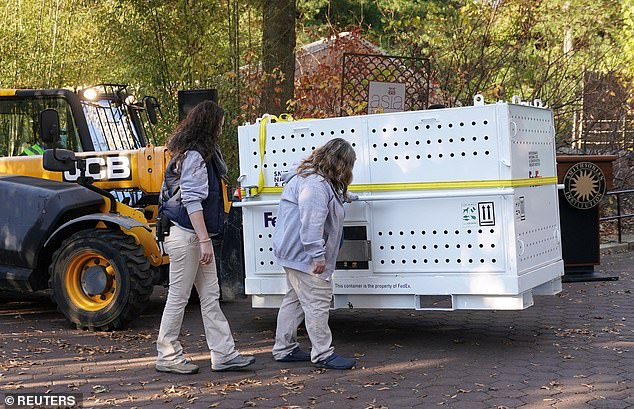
[334,161]
[199,131]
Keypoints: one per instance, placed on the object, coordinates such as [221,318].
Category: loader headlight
[90,94]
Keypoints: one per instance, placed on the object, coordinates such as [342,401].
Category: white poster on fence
[386,97]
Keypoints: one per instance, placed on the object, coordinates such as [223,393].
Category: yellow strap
[7,92]
[466,184]
[263,122]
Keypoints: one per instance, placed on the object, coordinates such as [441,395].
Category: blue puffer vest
[170,204]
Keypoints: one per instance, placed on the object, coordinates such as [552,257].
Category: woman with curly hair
[191,199]
[306,241]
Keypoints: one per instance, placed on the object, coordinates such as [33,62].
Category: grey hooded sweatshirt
[309,224]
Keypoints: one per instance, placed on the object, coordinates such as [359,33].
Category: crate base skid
[457,210]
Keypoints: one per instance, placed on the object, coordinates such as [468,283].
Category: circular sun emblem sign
[584,185]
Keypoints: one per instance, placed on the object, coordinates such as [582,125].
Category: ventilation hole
[416,127]
[473,123]
[404,129]
[384,130]
[373,130]
[436,261]
[382,261]
[352,130]
[470,260]
[446,246]
[463,154]
[342,131]
[439,126]
[428,142]
[393,261]
[382,247]
[435,246]
[450,140]
[447,260]
[461,123]
[462,139]
[486,122]
[380,233]
[469,246]
[424,247]
[482,261]
[389,233]
[457,246]
[427,126]
[391,247]
[492,246]
[434,232]
[493,260]
[458,261]
[451,125]
[440,155]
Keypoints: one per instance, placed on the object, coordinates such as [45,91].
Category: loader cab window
[110,125]
[19,128]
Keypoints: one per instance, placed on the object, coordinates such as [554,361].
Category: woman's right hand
[206,252]
[319,266]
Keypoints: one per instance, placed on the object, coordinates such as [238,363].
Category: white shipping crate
[458,209]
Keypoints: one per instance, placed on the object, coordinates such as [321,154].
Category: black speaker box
[188,99]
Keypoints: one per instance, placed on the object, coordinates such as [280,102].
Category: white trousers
[183,249]
[308,299]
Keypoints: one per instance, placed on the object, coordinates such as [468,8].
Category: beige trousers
[183,249]
[308,299]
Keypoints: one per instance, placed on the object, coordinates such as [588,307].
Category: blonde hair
[334,161]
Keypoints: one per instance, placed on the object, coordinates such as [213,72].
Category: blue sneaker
[296,355]
[335,361]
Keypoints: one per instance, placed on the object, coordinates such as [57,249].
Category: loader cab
[99,118]
[19,127]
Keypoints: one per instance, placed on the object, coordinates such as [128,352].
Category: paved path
[574,350]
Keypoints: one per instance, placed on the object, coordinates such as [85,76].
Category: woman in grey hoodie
[306,241]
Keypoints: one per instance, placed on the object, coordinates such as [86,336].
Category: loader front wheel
[100,279]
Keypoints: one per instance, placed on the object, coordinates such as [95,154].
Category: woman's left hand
[206,252]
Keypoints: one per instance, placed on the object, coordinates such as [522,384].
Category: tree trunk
[278,51]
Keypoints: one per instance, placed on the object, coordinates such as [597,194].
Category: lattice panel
[360,69]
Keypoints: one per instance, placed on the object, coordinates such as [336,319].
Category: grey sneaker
[185,367]
[236,363]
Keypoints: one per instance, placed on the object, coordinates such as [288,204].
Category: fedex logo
[269,219]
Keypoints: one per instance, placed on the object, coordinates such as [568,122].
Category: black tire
[100,279]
